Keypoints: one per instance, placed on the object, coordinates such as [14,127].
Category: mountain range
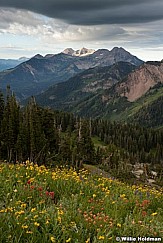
[84,87]
[37,74]
[119,92]
[11,63]
[108,84]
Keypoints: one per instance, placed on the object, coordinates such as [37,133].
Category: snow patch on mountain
[79,53]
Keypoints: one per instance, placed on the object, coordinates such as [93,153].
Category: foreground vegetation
[42,205]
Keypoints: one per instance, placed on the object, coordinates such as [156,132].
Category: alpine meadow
[81,121]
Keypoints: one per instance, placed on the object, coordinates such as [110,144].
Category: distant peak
[68,51]
[38,56]
[84,52]
[118,49]
[49,55]
[81,52]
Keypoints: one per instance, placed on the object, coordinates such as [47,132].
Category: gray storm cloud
[93,12]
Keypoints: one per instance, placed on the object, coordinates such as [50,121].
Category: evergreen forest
[50,137]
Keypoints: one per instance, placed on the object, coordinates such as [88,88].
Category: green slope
[83,93]
[145,111]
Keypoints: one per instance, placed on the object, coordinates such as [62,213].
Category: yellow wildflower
[107,192]
[43,211]
[52,239]
[19,212]
[23,205]
[24,226]
[69,239]
[60,212]
[88,240]
[101,237]
[119,225]
[31,179]
[59,219]
[29,232]
[36,224]
[33,209]
[2,211]
[153,214]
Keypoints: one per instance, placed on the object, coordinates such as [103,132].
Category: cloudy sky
[28,27]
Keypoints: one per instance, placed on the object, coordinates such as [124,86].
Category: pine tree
[10,127]
[1,118]
[37,140]
[85,146]
[65,151]
[23,141]
[1,106]
[50,130]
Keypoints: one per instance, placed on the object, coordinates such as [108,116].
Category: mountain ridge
[107,97]
[38,73]
[90,82]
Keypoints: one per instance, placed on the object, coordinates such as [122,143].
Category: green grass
[97,142]
[135,107]
[39,205]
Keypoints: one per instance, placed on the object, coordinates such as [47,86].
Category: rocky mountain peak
[68,51]
[81,52]
[84,52]
[119,51]
[38,56]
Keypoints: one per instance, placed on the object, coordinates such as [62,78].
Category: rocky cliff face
[102,78]
[91,82]
[141,80]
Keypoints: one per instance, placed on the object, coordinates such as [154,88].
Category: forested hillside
[47,137]
[151,115]
[121,92]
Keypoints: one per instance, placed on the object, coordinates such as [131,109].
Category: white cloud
[34,33]
[18,22]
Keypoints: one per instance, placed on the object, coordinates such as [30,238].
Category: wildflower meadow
[39,205]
